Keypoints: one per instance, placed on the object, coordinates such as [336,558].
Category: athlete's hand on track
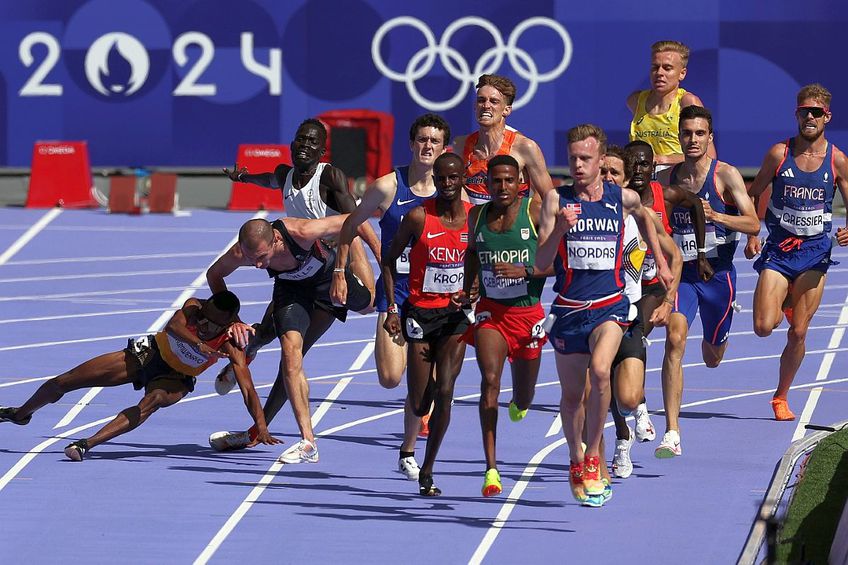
[338,289]
[659,317]
[705,270]
[240,333]
[234,174]
[755,246]
[509,271]
[264,437]
[392,324]
[842,236]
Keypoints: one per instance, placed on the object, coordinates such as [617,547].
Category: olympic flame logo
[458,67]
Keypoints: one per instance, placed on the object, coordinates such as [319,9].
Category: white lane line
[105,258]
[99,275]
[275,468]
[556,426]
[821,375]
[244,303]
[102,293]
[29,234]
[530,470]
[154,327]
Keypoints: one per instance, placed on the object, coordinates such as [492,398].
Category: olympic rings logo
[457,66]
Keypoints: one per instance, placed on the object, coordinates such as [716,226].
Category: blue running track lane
[85,281]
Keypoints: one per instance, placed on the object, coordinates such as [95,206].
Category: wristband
[240,177]
[338,270]
[669,300]
[393,309]
[702,250]
[529,271]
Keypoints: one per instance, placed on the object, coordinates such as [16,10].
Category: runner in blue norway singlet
[404,201]
[799,217]
[589,270]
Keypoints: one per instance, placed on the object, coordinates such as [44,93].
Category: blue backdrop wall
[181,83]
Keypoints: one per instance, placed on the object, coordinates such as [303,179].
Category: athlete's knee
[571,400]
[763,327]
[675,341]
[628,401]
[713,354]
[291,353]
[389,377]
[797,334]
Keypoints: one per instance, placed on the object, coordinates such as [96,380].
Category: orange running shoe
[424,431]
[592,484]
[575,481]
[782,413]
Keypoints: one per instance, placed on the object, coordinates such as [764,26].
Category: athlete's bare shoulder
[632,100]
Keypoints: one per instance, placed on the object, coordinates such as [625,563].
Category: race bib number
[402,263]
[803,222]
[538,330]
[307,270]
[591,255]
[443,279]
[501,288]
[689,248]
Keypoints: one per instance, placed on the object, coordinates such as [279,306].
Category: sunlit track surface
[160,494]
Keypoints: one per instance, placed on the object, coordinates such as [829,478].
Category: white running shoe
[644,427]
[228,441]
[409,467]
[226,380]
[303,451]
[669,446]
[622,466]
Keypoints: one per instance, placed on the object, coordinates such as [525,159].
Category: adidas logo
[480,238]
[788,174]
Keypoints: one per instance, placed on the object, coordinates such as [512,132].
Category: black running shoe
[7,414]
[77,450]
[425,486]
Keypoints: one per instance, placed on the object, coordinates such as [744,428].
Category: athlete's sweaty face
[428,144]
[449,178]
[260,256]
[643,168]
[490,106]
[584,159]
[809,126]
[667,71]
[612,170]
[695,137]
[503,185]
[308,146]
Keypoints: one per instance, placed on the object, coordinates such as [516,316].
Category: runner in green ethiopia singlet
[516,246]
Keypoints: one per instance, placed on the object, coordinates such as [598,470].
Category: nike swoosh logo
[404,202]
[432,235]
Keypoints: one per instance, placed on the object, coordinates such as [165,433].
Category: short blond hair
[674,47]
[585,131]
[499,83]
[816,92]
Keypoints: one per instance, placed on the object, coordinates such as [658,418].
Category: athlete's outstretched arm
[340,200]
[305,232]
[675,262]
[408,232]
[377,197]
[248,392]
[265,180]
[224,266]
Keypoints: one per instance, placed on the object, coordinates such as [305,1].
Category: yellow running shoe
[515,414]
[492,483]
